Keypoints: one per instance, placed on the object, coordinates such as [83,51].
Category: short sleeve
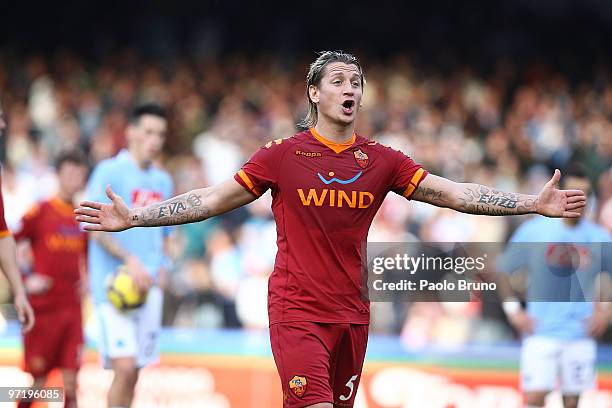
[407,175]
[261,171]
[4,231]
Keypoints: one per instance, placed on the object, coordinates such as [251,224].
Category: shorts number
[351,388]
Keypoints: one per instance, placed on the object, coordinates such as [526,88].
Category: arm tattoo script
[182,209]
[482,200]
[429,195]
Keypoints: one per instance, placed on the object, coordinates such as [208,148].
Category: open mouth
[347,106]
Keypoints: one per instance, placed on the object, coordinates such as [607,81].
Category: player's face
[146,138]
[338,95]
[71,179]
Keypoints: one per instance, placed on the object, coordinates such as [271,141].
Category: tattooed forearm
[429,195]
[479,199]
[182,209]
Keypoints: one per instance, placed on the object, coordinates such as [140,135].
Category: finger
[575,206]
[572,193]
[30,320]
[20,313]
[110,193]
[555,179]
[85,218]
[87,211]
[90,204]
[571,214]
[93,227]
[576,199]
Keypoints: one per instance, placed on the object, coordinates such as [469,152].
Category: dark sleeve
[261,171]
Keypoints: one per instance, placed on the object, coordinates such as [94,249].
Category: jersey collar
[62,206]
[336,147]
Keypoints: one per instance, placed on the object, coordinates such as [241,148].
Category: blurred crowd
[508,128]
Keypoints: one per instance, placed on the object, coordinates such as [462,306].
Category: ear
[313,92]
[129,131]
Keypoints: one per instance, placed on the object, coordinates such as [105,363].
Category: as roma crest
[298,385]
[361,158]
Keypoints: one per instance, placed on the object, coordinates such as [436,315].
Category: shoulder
[107,166]
[379,148]
[278,147]
[283,143]
[35,210]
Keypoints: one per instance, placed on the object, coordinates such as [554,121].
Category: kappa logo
[308,154]
[298,385]
[361,158]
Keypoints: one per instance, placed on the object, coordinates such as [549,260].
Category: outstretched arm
[474,198]
[193,206]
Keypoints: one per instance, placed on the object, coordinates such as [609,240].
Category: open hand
[553,202]
[104,217]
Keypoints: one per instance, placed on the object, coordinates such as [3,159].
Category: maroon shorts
[319,362]
[55,341]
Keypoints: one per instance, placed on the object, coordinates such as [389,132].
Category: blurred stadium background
[499,93]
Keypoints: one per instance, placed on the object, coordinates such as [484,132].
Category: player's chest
[142,192]
[59,232]
[321,178]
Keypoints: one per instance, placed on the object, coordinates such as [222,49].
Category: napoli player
[128,340]
[327,184]
[559,337]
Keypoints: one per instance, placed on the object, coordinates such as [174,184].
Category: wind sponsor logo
[335,198]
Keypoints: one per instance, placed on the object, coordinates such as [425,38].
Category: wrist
[536,205]
[133,218]
[19,290]
[511,306]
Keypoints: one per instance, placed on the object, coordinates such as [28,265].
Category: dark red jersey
[58,246]
[4,231]
[325,196]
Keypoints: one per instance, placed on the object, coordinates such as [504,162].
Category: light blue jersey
[138,188]
[549,278]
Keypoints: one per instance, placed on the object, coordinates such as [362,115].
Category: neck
[139,161]
[64,196]
[338,133]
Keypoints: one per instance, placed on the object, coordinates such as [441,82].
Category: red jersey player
[327,184]
[55,285]
[8,260]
